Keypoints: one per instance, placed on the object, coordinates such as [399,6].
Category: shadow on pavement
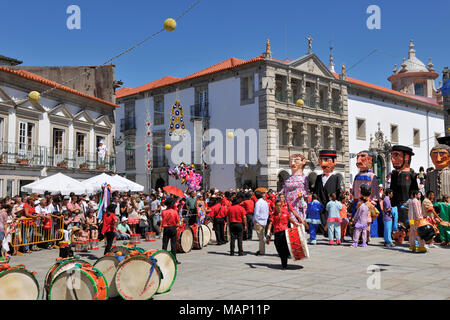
[273,266]
[87,256]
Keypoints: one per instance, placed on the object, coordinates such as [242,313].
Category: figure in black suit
[327,183]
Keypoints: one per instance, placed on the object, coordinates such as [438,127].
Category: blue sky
[36,32]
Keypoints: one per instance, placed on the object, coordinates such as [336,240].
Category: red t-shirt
[285,208]
[226,202]
[31,212]
[236,214]
[217,212]
[280,223]
[109,220]
[169,218]
[254,199]
[248,205]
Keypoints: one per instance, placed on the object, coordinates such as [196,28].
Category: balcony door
[26,139]
[81,149]
[58,145]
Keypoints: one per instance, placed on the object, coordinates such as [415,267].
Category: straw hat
[75,229]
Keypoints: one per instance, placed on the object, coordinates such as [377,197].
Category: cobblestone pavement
[332,272]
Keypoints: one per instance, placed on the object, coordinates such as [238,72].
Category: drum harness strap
[154,261]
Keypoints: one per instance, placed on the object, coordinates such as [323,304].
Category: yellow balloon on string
[300,103]
[230,135]
[168,147]
[34,96]
[170,24]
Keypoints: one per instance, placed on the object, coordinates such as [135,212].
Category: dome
[412,64]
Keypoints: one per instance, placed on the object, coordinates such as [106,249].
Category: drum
[168,267]
[64,250]
[81,282]
[81,246]
[197,232]
[296,240]
[137,278]
[150,236]
[206,234]
[17,283]
[93,244]
[135,238]
[213,234]
[185,239]
[108,266]
[60,266]
[124,250]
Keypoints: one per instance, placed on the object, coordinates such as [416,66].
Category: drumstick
[150,275]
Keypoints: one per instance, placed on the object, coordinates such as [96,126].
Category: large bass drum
[58,267]
[206,234]
[137,278]
[197,232]
[17,283]
[168,267]
[296,241]
[81,282]
[185,239]
[108,266]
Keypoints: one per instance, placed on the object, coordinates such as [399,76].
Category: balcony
[200,111]
[128,124]
[19,154]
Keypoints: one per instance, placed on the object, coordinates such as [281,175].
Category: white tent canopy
[132,186]
[57,184]
[98,181]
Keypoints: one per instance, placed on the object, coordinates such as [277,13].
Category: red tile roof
[386,90]
[35,77]
[221,66]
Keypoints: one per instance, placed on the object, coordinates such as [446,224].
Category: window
[159,110]
[418,89]
[80,144]
[247,88]
[130,156]
[309,100]
[159,154]
[282,135]
[416,135]
[280,88]
[9,187]
[361,129]
[394,133]
[100,138]
[58,140]
[26,136]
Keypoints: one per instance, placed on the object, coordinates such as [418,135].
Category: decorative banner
[177,127]
[187,175]
[105,200]
[148,139]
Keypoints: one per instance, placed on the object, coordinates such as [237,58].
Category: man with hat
[438,180]
[327,183]
[403,180]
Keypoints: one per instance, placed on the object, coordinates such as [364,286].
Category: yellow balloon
[230,135]
[168,147]
[300,103]
[34,96]
[170,24]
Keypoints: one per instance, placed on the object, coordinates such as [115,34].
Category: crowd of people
[239,212]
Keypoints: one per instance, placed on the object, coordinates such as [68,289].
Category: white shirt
[325,178]
[102,151]
[261,212]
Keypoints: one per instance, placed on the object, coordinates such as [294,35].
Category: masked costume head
[327,160]
[401,157]
[365,160]
[440,155]
[297,162]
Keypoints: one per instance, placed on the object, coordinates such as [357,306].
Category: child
[343,213]
[313,217]
[361,216]
[334,220]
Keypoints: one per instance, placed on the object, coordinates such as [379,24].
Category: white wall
[386,114]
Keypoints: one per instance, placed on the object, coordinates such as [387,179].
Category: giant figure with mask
[327,183]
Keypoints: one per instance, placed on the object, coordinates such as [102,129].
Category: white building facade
[58,133]
[257,98]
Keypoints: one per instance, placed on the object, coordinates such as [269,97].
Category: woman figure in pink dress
[296,187]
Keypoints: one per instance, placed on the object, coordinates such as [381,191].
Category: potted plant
[23,161]
[84,166]
[62,164]
[101,167]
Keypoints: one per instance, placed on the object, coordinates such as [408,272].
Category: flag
[446,88]
[105,200]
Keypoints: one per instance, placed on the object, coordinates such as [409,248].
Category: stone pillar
[317,93]
[330,137]
[345,134]
[302,89]
[318,136]
[289,97]
[304,135]
[329,97]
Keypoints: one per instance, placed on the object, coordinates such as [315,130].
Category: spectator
[387,218]
[155,216]
[123,230]
[260,217]
[143,222]
[91,222]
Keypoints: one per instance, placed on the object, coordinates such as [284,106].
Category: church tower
[413,77]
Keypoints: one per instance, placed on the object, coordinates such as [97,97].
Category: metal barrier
[27,232]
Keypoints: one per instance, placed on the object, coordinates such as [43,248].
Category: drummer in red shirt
[249,207]
[108,228]
[218,214]
[238,224]
[170,219]
[280,220]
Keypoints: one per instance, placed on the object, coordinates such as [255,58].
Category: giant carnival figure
[438,181]
[296,187]
[327,183]
[403,181]
[364,161]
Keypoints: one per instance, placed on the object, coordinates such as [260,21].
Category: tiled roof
[221,66]
[35,77]
[386,90]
